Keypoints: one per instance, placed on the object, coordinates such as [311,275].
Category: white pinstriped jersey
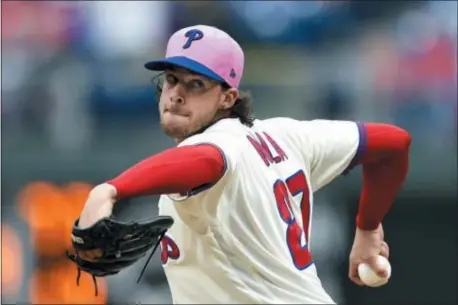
[244,239]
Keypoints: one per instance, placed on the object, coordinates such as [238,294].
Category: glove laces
[150,256]
[94,279]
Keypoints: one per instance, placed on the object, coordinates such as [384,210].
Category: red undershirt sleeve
[384,161]
[176,170]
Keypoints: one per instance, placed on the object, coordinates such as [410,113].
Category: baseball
[369,277]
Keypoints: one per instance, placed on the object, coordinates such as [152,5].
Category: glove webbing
[94,279]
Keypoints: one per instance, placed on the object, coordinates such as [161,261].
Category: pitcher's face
[188,102]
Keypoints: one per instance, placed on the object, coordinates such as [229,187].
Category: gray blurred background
[77,107]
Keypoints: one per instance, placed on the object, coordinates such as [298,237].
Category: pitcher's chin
[177,129]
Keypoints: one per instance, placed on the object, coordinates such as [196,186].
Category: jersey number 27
[296,184]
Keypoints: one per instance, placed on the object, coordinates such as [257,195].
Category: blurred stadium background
[77,108]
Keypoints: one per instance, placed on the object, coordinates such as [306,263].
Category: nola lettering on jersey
[169,249]
[261,146]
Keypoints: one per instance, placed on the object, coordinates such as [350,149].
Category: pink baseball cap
[204,50]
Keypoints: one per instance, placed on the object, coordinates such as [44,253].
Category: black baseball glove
[118,245]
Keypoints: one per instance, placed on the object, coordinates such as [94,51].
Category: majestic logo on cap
[192,36]
[233,74]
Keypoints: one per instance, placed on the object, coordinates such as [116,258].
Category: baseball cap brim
[183,62]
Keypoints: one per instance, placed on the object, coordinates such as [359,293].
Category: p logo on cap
[192,35]
[214,54]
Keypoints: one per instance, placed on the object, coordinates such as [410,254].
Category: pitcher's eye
[196,84]
[171,79]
